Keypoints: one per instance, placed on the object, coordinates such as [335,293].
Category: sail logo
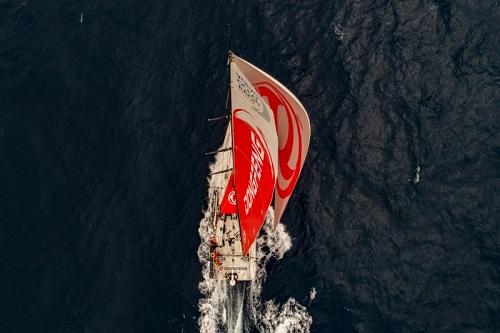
[290,138]
[232,198]
[248,91]
[256,162]
[228,203]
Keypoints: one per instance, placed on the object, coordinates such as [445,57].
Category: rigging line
[218,151]
[226,116]
[222,171]
[229,36]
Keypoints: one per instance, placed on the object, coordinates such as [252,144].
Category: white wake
[240,309]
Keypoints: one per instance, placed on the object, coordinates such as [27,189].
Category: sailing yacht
[260,161]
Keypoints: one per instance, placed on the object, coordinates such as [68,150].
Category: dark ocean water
[103,108]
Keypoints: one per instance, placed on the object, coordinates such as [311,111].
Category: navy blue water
[103,108]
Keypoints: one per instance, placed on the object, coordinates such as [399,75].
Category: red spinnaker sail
[255,153]
[292,126]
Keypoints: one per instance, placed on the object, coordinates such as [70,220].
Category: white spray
[235,309]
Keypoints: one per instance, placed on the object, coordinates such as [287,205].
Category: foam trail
[269,316]
[240,309]
[221,307]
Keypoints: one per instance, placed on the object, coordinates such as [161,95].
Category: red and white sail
[228,203]
[255,153]
[292,127]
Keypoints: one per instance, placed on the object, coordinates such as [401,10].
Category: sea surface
[395,222]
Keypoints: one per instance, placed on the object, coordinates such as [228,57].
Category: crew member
[213,243]
[215,257]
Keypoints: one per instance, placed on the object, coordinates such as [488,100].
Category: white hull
[228,263]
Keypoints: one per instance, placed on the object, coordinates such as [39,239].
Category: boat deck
[227,261]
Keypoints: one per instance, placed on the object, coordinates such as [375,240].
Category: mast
[229,108]
[229,58]
[228,104]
